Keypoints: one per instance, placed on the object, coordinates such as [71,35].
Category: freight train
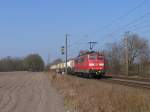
[87,63]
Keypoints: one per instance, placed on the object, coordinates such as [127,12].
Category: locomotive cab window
[92,57]
[100,58]
[81,60]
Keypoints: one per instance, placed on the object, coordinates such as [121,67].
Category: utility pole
[92,44]
[48,59]
[66,53]
[126,53]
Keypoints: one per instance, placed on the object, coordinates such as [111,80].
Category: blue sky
[39,26]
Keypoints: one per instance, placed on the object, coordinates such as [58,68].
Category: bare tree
[138,55]
[138,48]
[114,57]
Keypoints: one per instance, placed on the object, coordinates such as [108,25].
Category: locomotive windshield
[92,57]
[96,57]
[100,58]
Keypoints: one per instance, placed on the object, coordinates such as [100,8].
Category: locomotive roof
[88,52]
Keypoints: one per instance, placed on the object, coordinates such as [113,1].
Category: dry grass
[84,95]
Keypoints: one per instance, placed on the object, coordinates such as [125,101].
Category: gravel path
[28,92]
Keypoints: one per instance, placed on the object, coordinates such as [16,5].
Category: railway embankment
[87,95]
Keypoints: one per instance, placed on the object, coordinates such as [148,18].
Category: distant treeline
[32,62]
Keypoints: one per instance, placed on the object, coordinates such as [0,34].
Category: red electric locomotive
[90,63]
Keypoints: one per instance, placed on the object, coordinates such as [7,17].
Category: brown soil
[28,92]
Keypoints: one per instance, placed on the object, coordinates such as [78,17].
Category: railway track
[132,78]
[129,82]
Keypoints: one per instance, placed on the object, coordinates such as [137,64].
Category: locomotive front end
[96,64]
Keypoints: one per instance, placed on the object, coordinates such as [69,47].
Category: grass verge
[84,95]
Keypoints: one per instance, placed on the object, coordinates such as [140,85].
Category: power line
[146,31]
[134,21]
[75,44]
[141,22]
[123,16]
[132,10]
[126,25]
[142,27]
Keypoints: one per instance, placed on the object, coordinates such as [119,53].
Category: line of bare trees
[32,62]
[138,53]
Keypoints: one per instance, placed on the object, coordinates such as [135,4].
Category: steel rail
[131,83]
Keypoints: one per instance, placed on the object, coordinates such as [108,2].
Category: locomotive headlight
[101,64]
[91,64]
